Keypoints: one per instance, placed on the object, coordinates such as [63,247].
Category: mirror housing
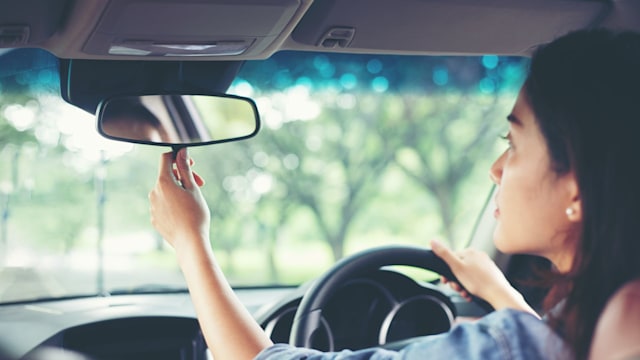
[178,120]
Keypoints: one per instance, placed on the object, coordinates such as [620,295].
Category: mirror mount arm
[175,148]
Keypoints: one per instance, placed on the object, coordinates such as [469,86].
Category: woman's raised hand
[178,209]
[181,215]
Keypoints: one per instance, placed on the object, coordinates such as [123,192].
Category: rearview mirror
[178,120]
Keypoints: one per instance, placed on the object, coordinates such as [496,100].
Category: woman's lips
[496,213]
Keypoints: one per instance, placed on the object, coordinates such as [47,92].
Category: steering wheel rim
[307,319]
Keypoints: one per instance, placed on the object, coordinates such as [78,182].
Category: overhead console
[191,28]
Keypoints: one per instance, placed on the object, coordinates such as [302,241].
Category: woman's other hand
[478,275]
[178,209]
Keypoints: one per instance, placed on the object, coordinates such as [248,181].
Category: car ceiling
[255,29]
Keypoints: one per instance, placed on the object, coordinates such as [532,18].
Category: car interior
[210,75]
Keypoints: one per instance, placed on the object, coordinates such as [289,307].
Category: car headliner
[86,29]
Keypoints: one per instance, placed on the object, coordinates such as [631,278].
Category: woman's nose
[495,172]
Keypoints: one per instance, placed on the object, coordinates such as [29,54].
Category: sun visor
[190,28]
[84,83]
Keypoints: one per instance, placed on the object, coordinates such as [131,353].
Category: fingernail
[436,244]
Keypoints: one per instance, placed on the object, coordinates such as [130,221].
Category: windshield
[355,151]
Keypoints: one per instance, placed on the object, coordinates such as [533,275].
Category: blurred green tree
[437,124]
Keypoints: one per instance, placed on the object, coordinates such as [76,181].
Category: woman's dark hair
[584,89]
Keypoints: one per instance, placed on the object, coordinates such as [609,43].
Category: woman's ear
[574,206]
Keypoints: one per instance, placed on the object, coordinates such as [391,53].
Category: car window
[355,151]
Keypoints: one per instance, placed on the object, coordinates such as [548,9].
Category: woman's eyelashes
[508,139]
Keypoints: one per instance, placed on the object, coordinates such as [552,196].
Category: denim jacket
[504,334]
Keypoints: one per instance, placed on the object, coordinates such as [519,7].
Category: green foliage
[335,168]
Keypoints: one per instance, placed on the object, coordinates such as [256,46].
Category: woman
[567,192]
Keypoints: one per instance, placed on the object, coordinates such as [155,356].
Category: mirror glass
[186,120]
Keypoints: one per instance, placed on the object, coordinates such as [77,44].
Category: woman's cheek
[502,238]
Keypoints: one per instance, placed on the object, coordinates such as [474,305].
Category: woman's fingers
[446,254]
[178,177]
[464,266]
[455,286]
[166,166]
[176,174]
[460,290]
[184,170]
[199,180]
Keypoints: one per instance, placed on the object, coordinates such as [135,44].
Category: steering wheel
[308,316]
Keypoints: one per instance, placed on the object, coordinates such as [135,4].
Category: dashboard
[149,326]
[378,308]
[134,338]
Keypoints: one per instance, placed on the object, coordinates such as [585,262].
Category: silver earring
[570,211]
